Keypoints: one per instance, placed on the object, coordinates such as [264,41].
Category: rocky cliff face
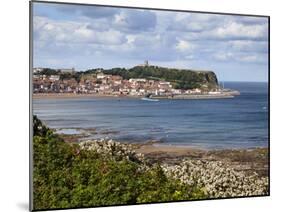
[209,79]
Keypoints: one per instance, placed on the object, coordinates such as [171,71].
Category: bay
[240,122]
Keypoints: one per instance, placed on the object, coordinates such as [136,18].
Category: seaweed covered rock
[114,149]
[217,179]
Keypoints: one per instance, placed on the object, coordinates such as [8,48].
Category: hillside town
[65,81]
[104,84]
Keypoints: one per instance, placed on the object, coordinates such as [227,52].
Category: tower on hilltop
[146,63]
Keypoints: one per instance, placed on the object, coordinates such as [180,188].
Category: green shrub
[65,176]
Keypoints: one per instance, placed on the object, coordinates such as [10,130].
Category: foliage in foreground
[66,176]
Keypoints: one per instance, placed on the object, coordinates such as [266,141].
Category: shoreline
[153,144]
[179,148]
[176,97]
[249,160]
[70,95]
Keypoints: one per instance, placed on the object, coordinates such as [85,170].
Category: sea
[233,123]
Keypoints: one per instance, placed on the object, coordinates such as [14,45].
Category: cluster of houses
[105,84]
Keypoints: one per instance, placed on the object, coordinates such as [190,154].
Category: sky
[85,37]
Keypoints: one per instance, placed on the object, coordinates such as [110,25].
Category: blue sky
[84,37]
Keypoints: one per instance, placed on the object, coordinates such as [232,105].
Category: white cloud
[192,22]
[134,21]
[218,27]
[241,57]
[189,57]
[124,36]
[248,45]
[75,32]
[242,44]
[223,56]
[249,58]
[183,45]
[234,30]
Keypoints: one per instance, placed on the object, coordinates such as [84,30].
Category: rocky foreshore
[113,149]
[217,178]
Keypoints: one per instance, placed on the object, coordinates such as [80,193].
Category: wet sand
[167,149]
[248,160]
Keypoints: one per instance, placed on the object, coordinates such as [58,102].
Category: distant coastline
[140,81]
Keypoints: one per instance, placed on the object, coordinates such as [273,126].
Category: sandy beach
[95,95]
[68,95]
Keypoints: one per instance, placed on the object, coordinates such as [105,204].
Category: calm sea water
[241,122]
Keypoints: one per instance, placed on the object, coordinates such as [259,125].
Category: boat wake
[149,99]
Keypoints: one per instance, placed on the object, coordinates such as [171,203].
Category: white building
[54,77]
[193,91]
[67,70]
[165,84]
[145,64]
[37,70]
[101,76]
[176,91]
[40,76]
[137,80]
[214,92]
[133,92]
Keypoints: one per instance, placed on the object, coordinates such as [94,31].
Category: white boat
[149,99]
